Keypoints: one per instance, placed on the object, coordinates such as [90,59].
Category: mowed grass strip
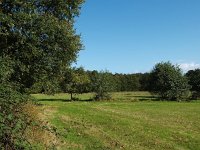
[124,124]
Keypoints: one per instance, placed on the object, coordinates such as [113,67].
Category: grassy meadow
[132,120]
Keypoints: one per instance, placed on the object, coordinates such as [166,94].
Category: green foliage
[102,84]
[45,85]
[120,82]
[39,38]
[6,69]
[37,43]
[144,82]
[168,82]
[12,121]
[194,80]
[75,80]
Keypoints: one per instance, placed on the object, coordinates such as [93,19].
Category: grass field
[130,121]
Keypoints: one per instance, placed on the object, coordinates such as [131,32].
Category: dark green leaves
[39,37]
[37,42]
[194,80]
[168,82]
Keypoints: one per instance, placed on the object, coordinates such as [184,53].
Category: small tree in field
[168,82]
[102,85]
[74,81]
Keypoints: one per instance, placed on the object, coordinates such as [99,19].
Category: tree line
[84,81]
[166,80]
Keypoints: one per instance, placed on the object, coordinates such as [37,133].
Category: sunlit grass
[126,122]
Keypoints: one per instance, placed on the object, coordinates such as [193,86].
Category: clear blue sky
[128,36]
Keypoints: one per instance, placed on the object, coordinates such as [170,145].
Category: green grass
[126,122]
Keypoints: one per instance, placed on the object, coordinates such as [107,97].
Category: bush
[12,121]
[20,123]
[102,96]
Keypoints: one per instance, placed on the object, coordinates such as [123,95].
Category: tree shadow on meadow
[143,97]
[65,100]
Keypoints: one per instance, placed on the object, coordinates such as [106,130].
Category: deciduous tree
[103,84]
[75,81]
[168,82]
[37,42]
[39,37]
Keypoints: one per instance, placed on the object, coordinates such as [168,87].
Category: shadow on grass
[64,100]
[126,97]
[140,96]
[143,98]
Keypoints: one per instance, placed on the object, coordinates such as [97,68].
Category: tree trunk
[71,96]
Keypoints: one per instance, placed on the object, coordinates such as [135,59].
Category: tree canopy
[194,80]
[75,80]
[39,37]
[37,43]
[168,82]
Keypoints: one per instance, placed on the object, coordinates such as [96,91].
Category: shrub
[12,121]
[20,123]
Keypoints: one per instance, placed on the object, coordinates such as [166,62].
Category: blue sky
[128,36]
